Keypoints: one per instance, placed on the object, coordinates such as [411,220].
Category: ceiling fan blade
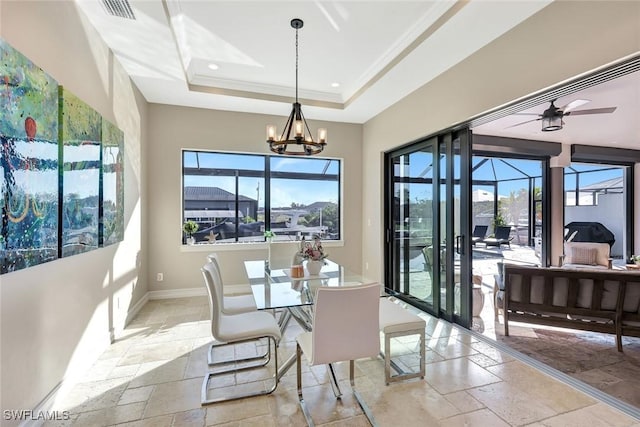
[521,123]
[592,111]
[574,104]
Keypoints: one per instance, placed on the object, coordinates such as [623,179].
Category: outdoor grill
[589,232]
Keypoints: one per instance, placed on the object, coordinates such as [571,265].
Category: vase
[314,267]
[268,260]
[191,240]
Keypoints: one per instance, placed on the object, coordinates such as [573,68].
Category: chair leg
[495,301]
[334,383]
[205,384]
[389,363]
[303,405]
[262,358]
[363,405]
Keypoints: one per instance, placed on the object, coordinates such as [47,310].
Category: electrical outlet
[160,277]
[366,265]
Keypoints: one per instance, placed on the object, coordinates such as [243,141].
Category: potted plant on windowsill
[268,236]
[190,227]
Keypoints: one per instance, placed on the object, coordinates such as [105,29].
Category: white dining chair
[232,329]
[232,304]
[340,333]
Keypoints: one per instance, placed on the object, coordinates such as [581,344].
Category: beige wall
[636,209]
[172,128]
[56,318]
[563,40]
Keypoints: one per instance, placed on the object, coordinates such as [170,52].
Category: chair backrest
[427,253]
[480,230]
[214,270]
[503,232]
[213,257]
[214,290]
[341,332]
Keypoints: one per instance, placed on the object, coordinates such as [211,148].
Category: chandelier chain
[296,65]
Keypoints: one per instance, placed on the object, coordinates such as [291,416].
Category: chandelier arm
[304,120]
[287,127]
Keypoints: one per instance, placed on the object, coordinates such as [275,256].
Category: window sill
[230,247]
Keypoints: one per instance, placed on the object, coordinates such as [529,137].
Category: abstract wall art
[61,169]
[80,137]
[28,162]
[112,217]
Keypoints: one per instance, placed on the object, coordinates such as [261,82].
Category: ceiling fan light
[550,124]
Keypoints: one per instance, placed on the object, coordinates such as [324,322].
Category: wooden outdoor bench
[597,300]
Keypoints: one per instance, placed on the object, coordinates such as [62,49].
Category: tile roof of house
[211,193]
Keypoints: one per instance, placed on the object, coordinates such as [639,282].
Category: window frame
[266,175]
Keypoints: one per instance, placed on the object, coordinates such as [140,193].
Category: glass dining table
[275,289]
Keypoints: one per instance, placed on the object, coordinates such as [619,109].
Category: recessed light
[213,66]
[335,84]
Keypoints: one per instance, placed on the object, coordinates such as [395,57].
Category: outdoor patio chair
[501,237]
[586,255]
[479,233]
[427,253]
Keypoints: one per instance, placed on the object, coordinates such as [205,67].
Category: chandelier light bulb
[271,133]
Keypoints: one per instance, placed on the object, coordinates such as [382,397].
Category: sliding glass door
[427,221]
[412,227]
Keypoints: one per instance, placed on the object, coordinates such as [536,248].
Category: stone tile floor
[589,357]
[152,376]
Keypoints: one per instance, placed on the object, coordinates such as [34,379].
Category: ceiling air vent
[120,8]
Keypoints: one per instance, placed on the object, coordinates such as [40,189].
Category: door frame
[445,138]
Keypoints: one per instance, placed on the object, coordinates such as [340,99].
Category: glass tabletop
[277,289]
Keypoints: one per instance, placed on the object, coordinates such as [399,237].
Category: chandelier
[296,139]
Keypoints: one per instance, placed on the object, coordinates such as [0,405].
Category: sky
[511,174]
[284,192]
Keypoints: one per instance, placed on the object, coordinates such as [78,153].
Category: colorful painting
[112,220]
[28,162]
[80,134]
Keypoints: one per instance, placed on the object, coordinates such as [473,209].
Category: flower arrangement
[312,251]
[635,258]
[269,235]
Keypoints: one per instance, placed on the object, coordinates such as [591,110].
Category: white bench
[396,321]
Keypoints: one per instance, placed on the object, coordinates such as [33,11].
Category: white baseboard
[195,292]
[177,293]
[43,407]
[136,308]
[47,410]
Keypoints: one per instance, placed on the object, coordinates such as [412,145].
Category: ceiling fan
[552,116]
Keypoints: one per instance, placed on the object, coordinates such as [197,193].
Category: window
[585,183]
[596,204]
[230,196]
